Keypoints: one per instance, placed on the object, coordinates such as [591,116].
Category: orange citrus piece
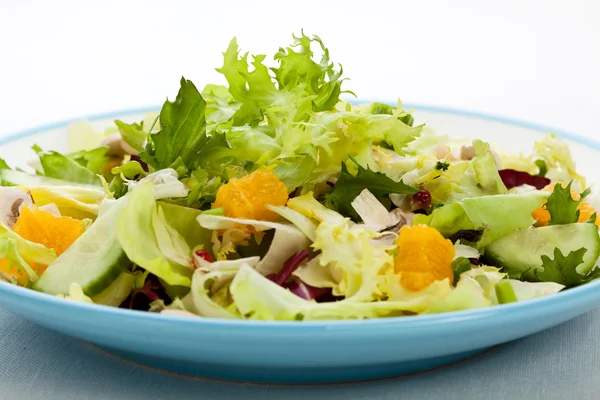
[42,227]
[10,270]
[424,256]
[586,210]
[247,197]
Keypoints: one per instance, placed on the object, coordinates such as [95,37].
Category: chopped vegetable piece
[565,206]
[513,178]
[43,227]
[424,256]
[459,266]
[289,267]
[349,186]
[248,196]
[505,292]
[422,198]
[442,165]
[563,269]
[270,198]
[203,254]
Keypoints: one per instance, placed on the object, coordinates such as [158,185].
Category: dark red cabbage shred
[289,267]
[305,291]
[137,159]
[470,235]
[295,285]
[141,298]
[513,178]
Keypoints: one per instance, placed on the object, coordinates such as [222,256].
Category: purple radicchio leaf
[137,159]
[141,298]
[469,235]
[295,285]
[289,267]
[513,178]
[305,291]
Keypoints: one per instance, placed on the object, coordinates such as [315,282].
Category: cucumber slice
[116,292]
[93,261]
[17,178]
[520,253]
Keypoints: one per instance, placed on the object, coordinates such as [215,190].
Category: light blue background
[560,363]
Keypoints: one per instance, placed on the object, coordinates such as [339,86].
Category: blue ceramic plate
[306,352]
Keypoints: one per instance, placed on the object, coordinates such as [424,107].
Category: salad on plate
[270,198]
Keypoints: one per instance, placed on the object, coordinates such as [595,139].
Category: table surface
[560,363]
[531,60]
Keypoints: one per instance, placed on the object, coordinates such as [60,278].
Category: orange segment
[10,270]
[586,210]
[424,256]
[247,197]
[42,227]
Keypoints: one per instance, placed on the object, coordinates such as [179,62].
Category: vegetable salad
[269,197]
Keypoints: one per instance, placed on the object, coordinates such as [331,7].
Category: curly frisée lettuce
[267,196]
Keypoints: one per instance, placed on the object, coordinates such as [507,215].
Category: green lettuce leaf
[179,218]
[314,274]
[297,68]
[349,186]
[130,170]
[295,171]
[253,144]
[183,130]
[256,297]
[133,134]
[203,303]
[248,88]
[139,240]
[531,290]
[166,184]
[93,160]
[298,77]
[4,165]
[300,221]
[203,188]
[72,201]
[209,296]
[559,161]
[170,242]
[9,250]
[478,177]
[562,207]
[486,213]
[486,170]
[289,121]
[220,104]
[60,166]
[563,269]
[19,178]
[468,294]
[500,290]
